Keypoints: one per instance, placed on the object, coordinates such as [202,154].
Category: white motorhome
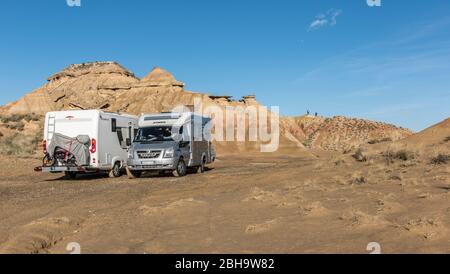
[175,142]
[99,139]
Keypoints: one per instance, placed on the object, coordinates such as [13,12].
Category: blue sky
[336,57]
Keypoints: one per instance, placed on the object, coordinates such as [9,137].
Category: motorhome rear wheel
[201,168]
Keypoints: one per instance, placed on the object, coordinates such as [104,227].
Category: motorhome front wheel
[181,170]
[116,171]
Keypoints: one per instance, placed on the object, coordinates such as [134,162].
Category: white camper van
[174,142]
[83,141]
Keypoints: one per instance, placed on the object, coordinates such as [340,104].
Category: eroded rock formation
[111,87]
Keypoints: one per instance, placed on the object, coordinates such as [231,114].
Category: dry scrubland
[303,202]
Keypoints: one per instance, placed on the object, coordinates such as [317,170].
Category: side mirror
[128,142]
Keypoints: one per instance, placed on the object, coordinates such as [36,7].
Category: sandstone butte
[111,87]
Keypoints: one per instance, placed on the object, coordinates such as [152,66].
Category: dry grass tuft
[360,155]
[16,141]
[403,155]
[19,144]
[19,126]
[15,118]
[440,159]
[377,141]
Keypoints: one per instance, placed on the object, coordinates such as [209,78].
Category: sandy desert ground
[307,202]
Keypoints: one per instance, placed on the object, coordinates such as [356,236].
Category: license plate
[146,163]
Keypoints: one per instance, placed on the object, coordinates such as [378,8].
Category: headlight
[130,154]
[169,153]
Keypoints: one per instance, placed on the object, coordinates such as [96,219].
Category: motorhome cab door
[186,143]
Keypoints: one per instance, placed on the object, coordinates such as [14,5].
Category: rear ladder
[51,126]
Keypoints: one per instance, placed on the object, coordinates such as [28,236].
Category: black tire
[48,161]
[181,169]
[132,174]
[201,168]
[71,174]
[115,171]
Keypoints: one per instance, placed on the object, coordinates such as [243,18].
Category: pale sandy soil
[252,204]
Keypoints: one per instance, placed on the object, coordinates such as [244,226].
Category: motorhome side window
[114,125]
[123,134]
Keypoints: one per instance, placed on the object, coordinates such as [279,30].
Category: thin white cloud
[334,15]
[325,19]
[416,58]
[318,23]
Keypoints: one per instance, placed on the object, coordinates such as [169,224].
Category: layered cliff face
[111,87]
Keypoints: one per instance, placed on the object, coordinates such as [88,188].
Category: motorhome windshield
[151,134]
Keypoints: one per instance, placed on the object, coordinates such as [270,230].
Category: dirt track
[270,204]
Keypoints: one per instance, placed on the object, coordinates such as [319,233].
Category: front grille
[149,154]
